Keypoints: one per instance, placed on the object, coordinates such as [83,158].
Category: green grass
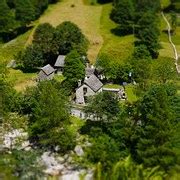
[59,78]
[10,49]
[77,123]
[116,47]
[21,80]
[112,86]
[130,91]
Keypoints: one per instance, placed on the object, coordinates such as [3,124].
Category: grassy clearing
[112,86]
[130,91]
[86,17]
[117,47]
[10,49]
[21,80]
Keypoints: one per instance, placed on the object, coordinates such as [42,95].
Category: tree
[48,125]
[141,66]
[104,150]
[146,5]
[74,69]
[174,21]
[7,19]
[123,14]
[154,124]
[104,107]
[24,11]
[43,37]
[69,37]
[148,33]
[164,70]
[31,58]
[40,6]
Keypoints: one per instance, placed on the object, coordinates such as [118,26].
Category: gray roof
[48,69]
[89,71]
[94,83]
[60,61]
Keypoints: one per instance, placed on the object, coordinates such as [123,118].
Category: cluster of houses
[90,86]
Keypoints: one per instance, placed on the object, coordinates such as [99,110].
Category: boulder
[79,151]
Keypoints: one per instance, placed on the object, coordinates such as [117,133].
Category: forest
[89,89]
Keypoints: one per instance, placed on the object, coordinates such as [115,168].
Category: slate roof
[60,61]
[48,69]
[89,71]
[93,82]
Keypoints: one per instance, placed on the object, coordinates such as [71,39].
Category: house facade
[89,87]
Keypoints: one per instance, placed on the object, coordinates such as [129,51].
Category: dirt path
[86,17]
[176,56]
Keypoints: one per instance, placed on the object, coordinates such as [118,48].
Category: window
[85,90]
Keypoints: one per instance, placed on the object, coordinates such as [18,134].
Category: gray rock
[60,159]
[79,151]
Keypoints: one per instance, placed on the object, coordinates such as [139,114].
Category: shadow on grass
[119,31]
[6,37]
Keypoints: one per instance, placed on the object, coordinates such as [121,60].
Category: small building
[59,64]
[89,87]
[46,73]
[119,92]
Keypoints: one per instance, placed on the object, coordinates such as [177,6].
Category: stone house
[89,87]
[59,64]
[46,73]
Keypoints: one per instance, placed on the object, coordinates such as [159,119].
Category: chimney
[79,83]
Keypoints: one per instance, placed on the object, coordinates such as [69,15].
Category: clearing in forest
[87,18]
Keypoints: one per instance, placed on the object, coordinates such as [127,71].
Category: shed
[59,64]
[46,73]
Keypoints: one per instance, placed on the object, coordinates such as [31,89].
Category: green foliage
[174,21]
[127,169]
[48,42]
[117,73]
[123,14]
[43,38]
[31,58]
[164,70]
[10,100]
[20,164]
[146,5]
[40,6]
[104,107]
[148,33]
[104,150]
[7,20]
[24,11]
[154,118]
[69,37]
[74,69]
[50,111]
